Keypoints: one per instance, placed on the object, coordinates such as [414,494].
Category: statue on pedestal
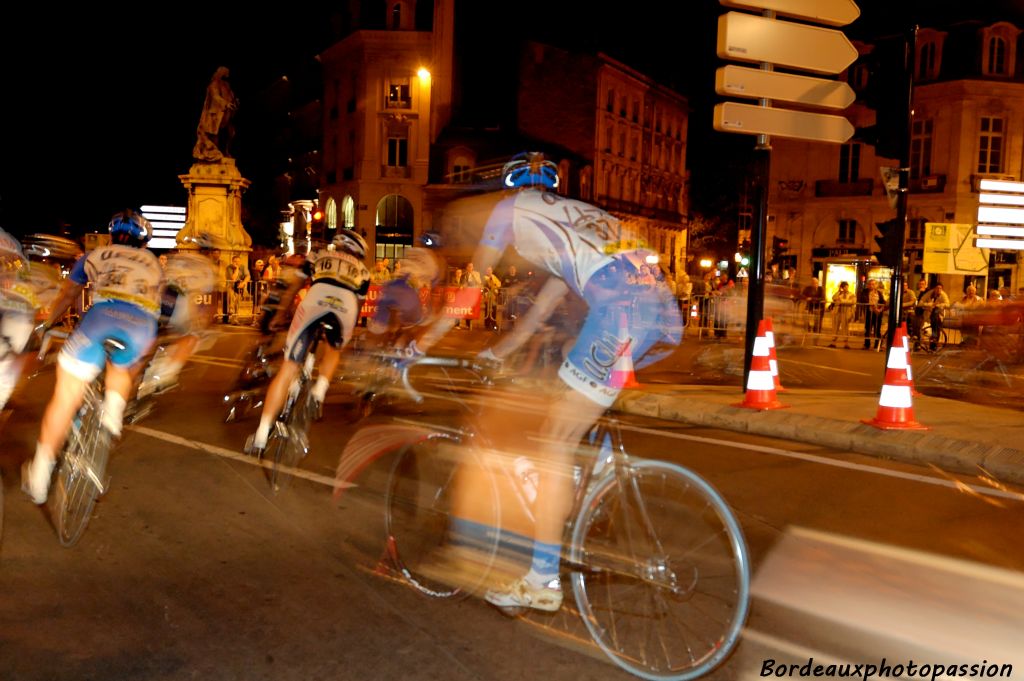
[215,123]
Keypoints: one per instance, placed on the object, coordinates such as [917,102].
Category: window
[849,163]
[398,94]
[915,232]
[636,110]
[990,145]
[921,149]
[331,213]
[996,57]
[396,17]
[847,231]
[397,152]
[622,106]
[460,174]
[609,133]
[622,143]
[348,212]
[926,61]
[610,106]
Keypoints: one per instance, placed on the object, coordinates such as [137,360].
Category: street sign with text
[740,81]
[829,12]
[760,120]
[746,37]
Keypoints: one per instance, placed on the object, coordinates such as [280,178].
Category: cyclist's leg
[338,335]
[15,330]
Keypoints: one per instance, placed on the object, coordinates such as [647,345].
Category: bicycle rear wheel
[419,519]
[80,478]
[662,575]
[289,442]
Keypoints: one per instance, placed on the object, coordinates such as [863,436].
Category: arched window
[461,162]
[996,57]
[331,213]
[348,212]
[394,226]
[926,62]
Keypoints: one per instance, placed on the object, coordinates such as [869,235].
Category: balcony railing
[824,188]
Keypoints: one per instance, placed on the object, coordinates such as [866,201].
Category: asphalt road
[193,569]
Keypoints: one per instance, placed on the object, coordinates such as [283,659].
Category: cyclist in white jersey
[339,280]
[127,283]
[19,303]
[590,253]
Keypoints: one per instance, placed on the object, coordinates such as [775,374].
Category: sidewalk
[961,437]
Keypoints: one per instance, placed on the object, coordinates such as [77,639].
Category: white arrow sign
[761,120]
[746,37]
[739,81]
[830,12]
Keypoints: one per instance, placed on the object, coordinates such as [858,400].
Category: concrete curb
[952,454]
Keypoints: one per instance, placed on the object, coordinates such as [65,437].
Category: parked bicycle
[657,562]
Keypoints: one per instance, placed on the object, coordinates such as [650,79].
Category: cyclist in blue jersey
[589,253]
[127,283]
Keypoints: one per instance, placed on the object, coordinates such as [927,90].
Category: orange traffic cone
[773,359]
[895,405]
[760,384]
[622,370]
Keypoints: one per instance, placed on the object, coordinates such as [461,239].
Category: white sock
[113,412]
[43,454]
[263,432]
[320,388]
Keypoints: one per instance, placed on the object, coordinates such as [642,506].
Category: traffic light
[316,225]
[888,253]
[780,247]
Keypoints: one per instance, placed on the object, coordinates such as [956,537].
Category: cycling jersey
[338,269]
[187,275]
[130,275]
[570,239]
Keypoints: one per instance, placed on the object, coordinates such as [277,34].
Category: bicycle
[636,567]
[81,471]
[249,390]
[288,442]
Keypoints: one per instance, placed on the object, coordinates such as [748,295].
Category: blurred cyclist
[18,306]
[399,309]
[340,278]
[580,245]
[188,275]
[127,282]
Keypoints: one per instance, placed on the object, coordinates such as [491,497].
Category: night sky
[97,119]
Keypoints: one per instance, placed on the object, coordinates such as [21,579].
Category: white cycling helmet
[350,242]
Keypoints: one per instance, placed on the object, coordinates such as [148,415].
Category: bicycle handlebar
[451,362]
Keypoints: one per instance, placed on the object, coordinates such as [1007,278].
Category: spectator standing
[874,304]
[936,301]
[490,298]
[511,277]
[814,299]
[843,305]
[237,276]
[273,270]
[473,278]
[907,305]
[919,311]
[380,273]
[964,309]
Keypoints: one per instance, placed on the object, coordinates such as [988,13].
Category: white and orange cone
[773,359]
[906,346]
[896,404]
[760,392]
[622,371]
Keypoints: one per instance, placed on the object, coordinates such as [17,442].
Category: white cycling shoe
[35,478]
[523,594]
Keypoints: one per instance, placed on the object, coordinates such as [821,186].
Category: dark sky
[100,107]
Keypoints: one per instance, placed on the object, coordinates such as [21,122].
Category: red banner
[457,303]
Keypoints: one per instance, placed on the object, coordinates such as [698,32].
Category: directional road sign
[829,12]
[760,120]
[746,37]
[740,81]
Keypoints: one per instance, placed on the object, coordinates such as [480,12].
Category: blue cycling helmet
[129,228]
[431,240]
[530,169]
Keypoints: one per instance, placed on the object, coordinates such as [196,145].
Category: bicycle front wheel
[427,544]
[662,575]
[80,478]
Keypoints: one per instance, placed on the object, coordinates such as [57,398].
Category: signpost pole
[758,238]
[896,282]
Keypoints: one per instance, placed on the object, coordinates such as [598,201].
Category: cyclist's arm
[546,302]
[69,293]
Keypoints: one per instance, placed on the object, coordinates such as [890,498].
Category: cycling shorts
[620,311]
[399,304]
[335,306]
[84,356]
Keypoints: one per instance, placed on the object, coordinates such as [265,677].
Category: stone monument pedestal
[215,209]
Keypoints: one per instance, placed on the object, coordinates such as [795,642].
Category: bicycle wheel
[289,442]
[419,519]
[661,572]
[80,477]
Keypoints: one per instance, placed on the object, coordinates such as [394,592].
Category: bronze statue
[215,124]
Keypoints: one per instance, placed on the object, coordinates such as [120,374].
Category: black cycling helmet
[129,228]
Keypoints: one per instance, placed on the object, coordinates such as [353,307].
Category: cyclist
[19,303]
[399,309]
[339,279]
[127,283]
[187,276]
[589,253]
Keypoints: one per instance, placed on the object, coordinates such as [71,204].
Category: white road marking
[236,456]
[829,368]
[812,458]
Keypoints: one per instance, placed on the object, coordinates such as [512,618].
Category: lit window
[398,94]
